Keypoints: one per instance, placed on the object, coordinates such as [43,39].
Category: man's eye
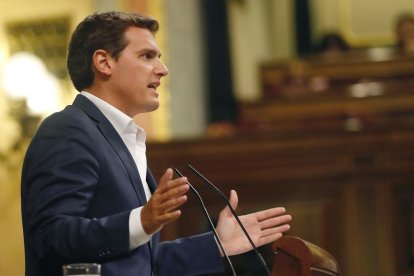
[148,56]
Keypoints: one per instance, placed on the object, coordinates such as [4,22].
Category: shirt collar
[121,122]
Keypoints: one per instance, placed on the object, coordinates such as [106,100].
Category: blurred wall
[263,30]
[186,50]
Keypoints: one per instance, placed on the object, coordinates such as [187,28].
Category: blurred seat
[295,256]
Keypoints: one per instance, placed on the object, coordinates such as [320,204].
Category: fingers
[268,239]
[167,183]
[272,234]
[272,231]
[174,189]
[161,208]
[275,221]
[167,176]
[172,204]
[268,213]
[273,228]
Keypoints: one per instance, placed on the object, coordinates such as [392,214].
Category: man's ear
[101,61]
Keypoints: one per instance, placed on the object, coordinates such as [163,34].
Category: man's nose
[162,69]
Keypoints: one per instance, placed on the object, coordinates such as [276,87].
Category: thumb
[234,201]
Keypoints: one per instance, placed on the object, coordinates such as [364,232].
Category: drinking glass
[82,269]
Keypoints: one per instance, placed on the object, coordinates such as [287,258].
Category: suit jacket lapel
[152,184]
[115,141]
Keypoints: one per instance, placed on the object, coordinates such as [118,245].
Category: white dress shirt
[134,138]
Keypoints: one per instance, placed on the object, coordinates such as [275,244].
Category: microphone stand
[209,220]
[217,190]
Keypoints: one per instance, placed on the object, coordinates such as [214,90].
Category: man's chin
[152,107]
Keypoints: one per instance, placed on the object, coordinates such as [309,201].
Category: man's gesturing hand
[161,208]
[263,227]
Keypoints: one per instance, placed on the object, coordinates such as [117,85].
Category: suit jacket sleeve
[189,255]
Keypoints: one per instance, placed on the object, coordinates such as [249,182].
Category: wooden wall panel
[339,189]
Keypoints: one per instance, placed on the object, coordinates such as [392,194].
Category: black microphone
[209,220]
[226,200]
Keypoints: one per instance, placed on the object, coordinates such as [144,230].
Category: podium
[297,257]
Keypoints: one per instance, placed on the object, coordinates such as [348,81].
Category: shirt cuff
[137,235]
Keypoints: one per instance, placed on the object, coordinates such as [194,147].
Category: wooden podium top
[298,257]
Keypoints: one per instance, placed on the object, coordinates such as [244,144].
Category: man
[87,194]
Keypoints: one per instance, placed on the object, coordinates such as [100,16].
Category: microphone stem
[226,200]
[210,222]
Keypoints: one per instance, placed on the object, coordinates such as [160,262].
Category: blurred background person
[404,31]
[331,43]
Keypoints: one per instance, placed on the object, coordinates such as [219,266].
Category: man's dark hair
[101,31]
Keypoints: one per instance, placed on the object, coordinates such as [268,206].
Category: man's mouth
[154,85]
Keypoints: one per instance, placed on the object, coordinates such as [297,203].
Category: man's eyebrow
[150,50]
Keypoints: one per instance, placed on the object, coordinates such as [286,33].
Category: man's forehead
[141,36]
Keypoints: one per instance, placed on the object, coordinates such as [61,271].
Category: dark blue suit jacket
[79,185]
